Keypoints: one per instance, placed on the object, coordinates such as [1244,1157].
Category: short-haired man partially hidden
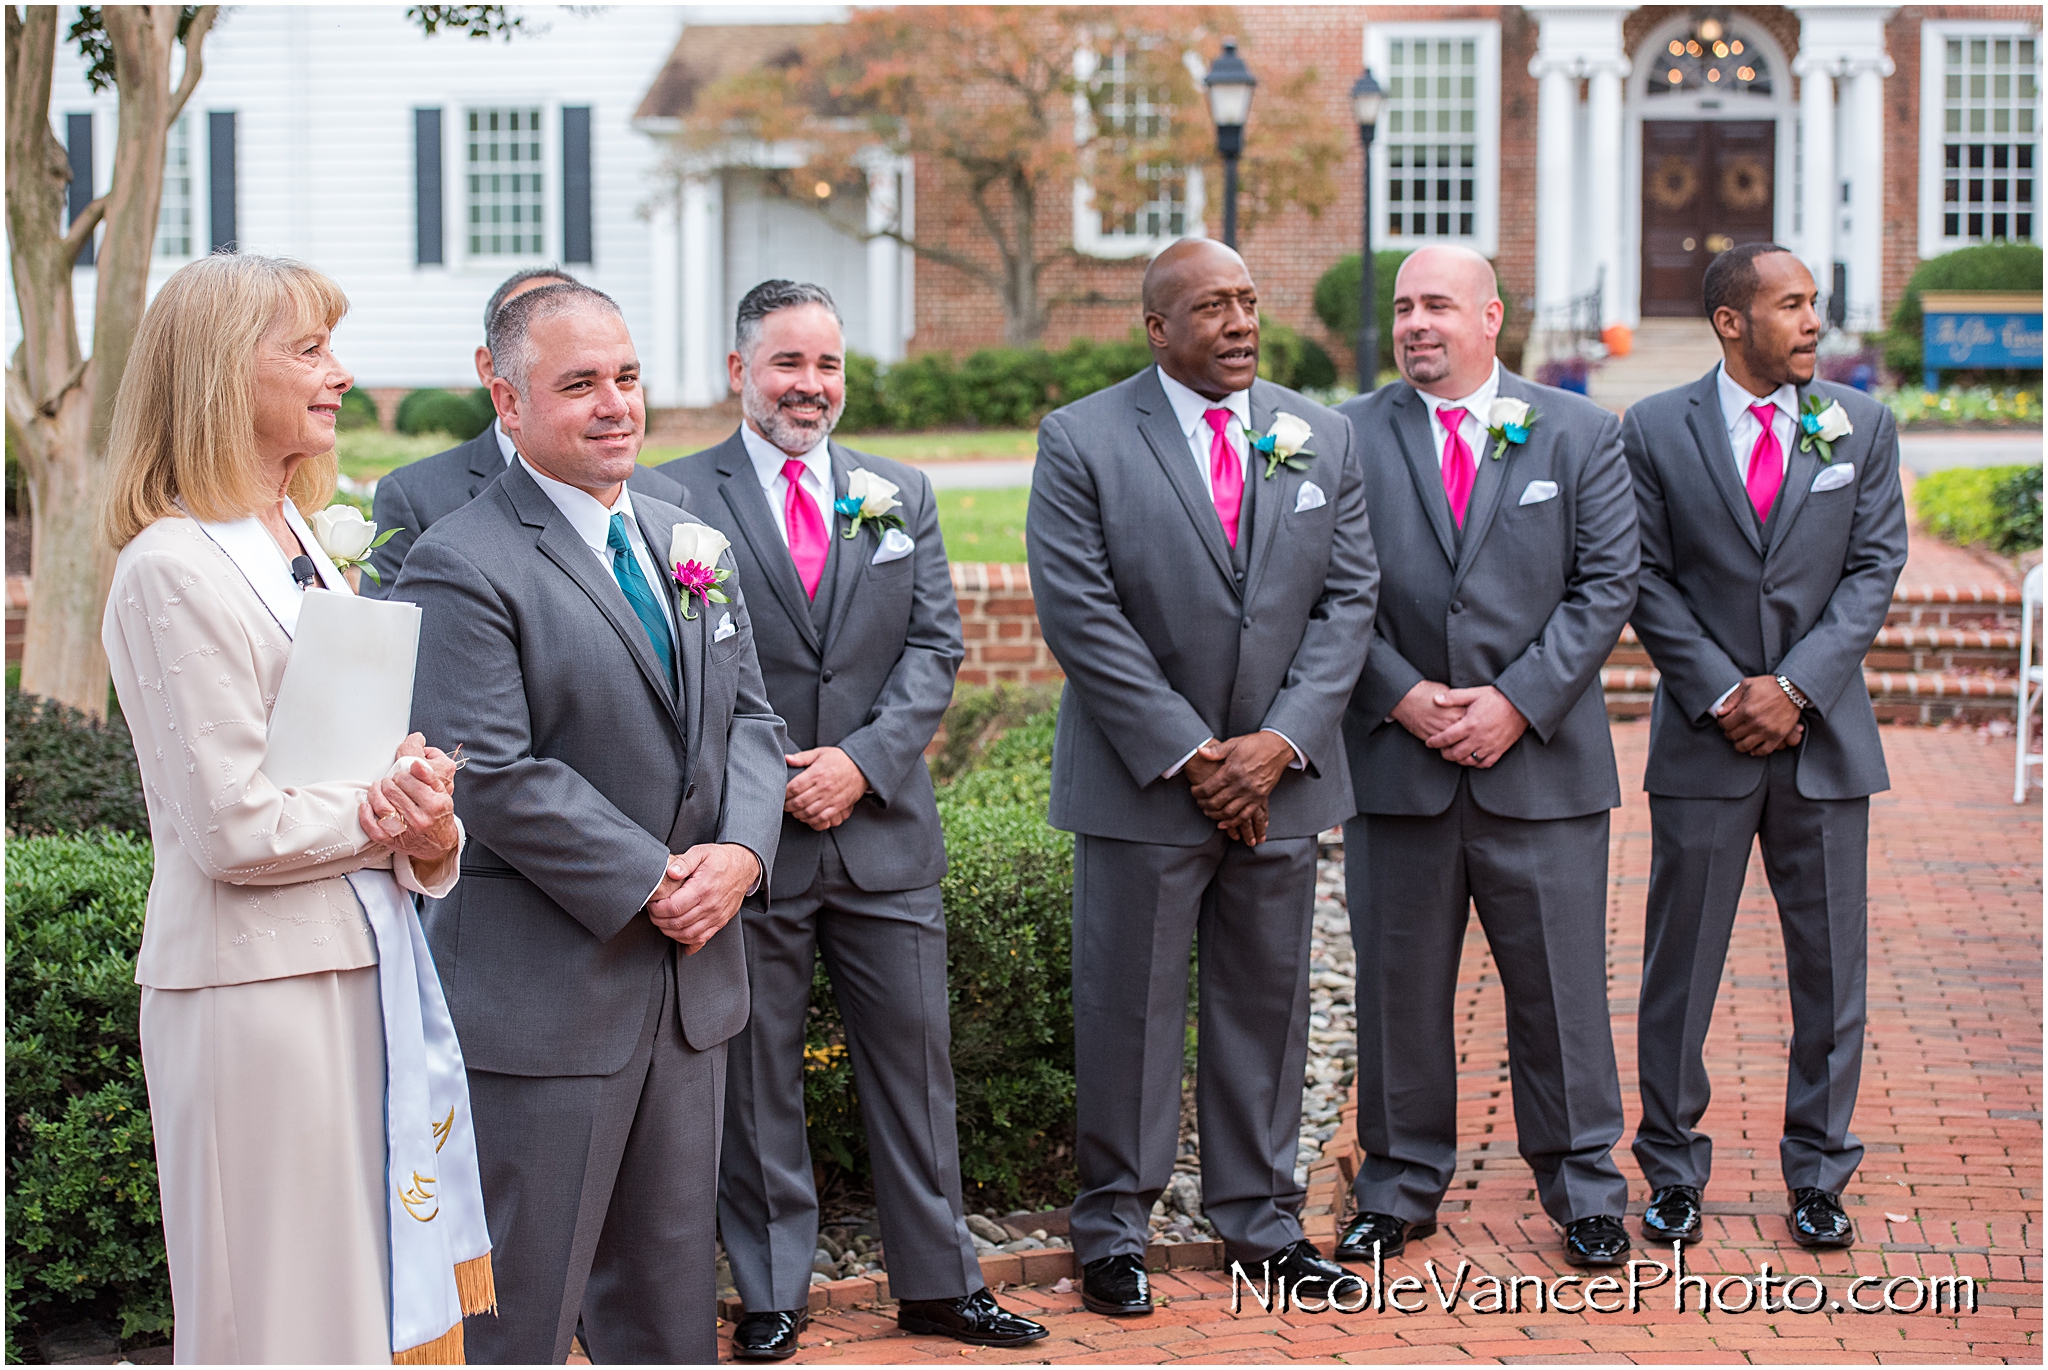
[1773,529]
[859,635]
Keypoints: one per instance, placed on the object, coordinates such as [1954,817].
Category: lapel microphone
[303,572]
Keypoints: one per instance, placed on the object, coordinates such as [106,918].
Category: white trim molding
[1485,134]
[1934,36]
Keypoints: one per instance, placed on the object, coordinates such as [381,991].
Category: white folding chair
[2030,685]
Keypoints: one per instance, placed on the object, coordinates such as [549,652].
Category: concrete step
[1665,353]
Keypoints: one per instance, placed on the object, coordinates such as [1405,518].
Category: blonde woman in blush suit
[263,1035]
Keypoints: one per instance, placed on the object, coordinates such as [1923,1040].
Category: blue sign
[1980,342]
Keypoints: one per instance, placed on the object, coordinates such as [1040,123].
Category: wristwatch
[1792,692]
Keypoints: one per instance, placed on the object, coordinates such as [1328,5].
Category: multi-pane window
[1130,109]
[1431,122]
[1989,138]
[506,189]
[174,210]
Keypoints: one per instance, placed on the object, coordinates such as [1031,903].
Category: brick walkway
[1949,1113]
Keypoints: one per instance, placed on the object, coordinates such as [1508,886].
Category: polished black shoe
[1302,1266]
[973,1318]
[1116,1287]
[1598,1240]
[1817,1219]
[1383,1228]
[1673,1215]
[768,1336]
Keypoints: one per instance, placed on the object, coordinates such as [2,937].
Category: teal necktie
[639,593]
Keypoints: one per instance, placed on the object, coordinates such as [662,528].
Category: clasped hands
[1759,717]
[701,890]
[1232,781]
[823,796]
[414,814]
[1472,727]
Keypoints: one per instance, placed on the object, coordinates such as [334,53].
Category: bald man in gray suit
[1210,602]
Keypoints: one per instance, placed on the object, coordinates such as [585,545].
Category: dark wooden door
[1707,186]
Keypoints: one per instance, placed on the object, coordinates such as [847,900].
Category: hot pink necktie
[1226,474]
[1459,472]
[1766,462]
[807,544]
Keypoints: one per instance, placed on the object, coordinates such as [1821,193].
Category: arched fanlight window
[1708,60]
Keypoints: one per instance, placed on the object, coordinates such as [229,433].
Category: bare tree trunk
[59,402]
[1024,313]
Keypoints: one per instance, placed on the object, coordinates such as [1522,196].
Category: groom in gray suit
[1482,761]
[624,796]
[859,638]
[412,498]
[1205,575]
[1774,529]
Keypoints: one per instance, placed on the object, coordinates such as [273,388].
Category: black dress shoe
[1673,1215]
[1389,1232]
[1116,1287]
[1817,1219]
[1598,1240]
[768,1336]
[1303,1267]
[973,1318]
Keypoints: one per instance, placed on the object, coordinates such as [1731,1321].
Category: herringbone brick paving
[1950,1114]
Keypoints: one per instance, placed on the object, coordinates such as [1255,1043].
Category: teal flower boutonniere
[1284,444]
[1508,421]
[869,500]
[1822,426]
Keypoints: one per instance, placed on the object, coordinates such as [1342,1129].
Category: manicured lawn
[983,525]
[990,444]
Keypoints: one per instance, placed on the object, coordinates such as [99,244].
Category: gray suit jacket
[416,495]
[1723,598]
[1163,646]
[587,769]
[1529,598]
[876,681]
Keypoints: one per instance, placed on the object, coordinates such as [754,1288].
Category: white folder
[346,699]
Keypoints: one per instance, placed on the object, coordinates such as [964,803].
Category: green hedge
[1994,266]
[1999,506]
[66,773]
[444,411]
[357,411]
[1008,893]
[84,1237]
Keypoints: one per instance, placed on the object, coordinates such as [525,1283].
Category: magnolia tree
[60,401]
[1010,105]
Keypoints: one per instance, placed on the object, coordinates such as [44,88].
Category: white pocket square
[1538,491]
[896,545]
[1310,496]
[1833,476]
[725,628]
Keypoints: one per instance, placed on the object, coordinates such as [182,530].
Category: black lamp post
[1230,84]
[1365,105]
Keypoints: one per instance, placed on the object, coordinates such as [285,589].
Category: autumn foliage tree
[1009,104]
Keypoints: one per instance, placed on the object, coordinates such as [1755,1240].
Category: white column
[703,292]
[1817,143]
[1866,193]
[1603,181]
[885,331]
[1556,184]
[664,352]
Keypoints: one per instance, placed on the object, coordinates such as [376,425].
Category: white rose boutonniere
[1822,426]
[1284,444]
[1508,421]
[693,553]
[869,500]
[347,538]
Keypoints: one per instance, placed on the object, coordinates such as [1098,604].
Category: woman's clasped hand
[412,810]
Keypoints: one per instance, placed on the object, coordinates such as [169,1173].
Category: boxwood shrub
[443,411]
[1991,266]
[1998,506]
[67,773]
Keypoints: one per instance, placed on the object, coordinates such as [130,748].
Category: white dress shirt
[1743,429]
[1473,426]
[816,481]
[505,443]
[592,522]
[1188,409]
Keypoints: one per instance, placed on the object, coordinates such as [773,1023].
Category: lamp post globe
[1230,84]
[1366,98]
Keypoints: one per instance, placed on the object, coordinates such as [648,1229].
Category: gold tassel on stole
[478,1290]
[445,1349]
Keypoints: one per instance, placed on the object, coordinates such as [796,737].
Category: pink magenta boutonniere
[693,553]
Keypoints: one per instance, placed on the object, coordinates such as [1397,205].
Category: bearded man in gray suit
[1774,529]
[1210,601]
[1482,761]
[624,795]
[858,632]
[412,498]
